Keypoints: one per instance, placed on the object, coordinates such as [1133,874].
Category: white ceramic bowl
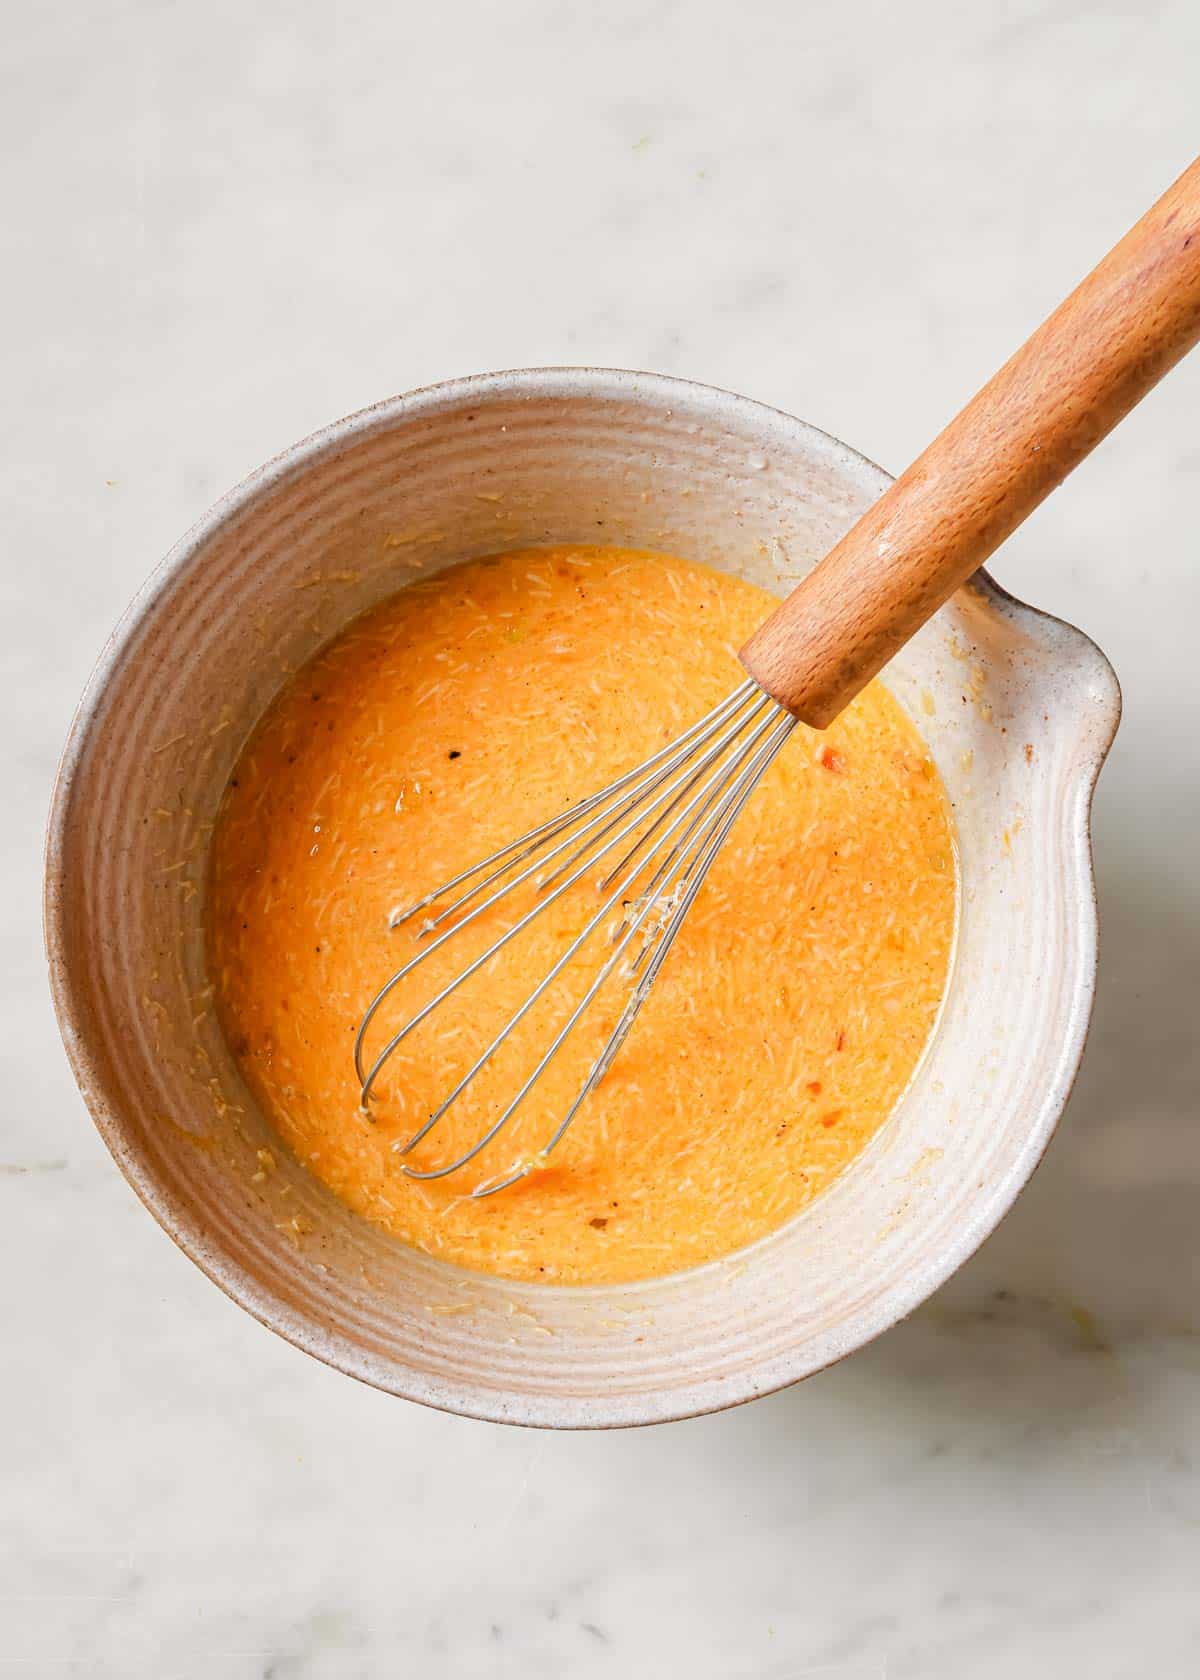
[1018,710]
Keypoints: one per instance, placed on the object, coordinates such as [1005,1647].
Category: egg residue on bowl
[787,1020]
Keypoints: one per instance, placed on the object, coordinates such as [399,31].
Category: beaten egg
[787,1020]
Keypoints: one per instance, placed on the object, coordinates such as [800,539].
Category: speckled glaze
[1018,710]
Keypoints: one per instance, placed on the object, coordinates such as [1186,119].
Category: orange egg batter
[787,1019]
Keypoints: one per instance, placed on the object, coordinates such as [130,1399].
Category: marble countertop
[227,225]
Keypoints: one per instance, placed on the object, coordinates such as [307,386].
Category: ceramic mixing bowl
[1018,711]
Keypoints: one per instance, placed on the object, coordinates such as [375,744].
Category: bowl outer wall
[1031,666]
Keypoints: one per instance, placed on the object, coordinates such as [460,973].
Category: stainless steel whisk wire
[694,789]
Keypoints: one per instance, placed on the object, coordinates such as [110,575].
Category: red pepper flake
[598,1224]
[814,1085]
[840,1041]
[832,1118]
[831,759]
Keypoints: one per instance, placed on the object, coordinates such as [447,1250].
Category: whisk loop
[674,810]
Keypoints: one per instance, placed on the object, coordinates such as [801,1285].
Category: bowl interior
[1017,709]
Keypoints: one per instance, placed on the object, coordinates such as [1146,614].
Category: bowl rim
[901,1298]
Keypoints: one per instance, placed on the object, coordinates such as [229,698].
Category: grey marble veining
[226,226]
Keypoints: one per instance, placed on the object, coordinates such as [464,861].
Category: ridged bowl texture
[1018,711]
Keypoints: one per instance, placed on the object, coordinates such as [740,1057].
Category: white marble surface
[227,224]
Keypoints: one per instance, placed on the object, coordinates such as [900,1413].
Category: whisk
[664,821]
[652,834]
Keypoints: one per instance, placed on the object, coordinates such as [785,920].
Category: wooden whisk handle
[1083,370]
